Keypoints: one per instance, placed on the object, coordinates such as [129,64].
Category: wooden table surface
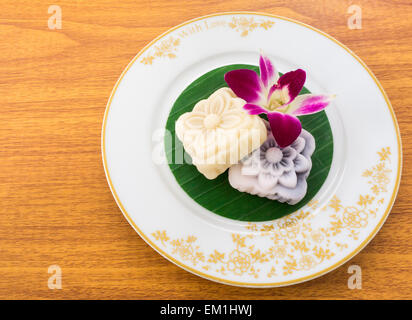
[56,207]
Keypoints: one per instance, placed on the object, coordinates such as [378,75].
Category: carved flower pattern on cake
[274,172]
[218,132]
[274,165]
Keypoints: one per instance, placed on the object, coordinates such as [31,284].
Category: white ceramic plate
[343,217]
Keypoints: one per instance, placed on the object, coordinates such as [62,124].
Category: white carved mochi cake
[218,132]
[276,173]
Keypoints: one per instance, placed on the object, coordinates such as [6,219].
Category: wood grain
[56,207]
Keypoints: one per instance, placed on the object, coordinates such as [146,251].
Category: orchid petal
[308,104]
[288,86]
[285,128]
[246,84]
[254,109]
[268,73]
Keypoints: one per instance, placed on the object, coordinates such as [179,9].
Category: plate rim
[219,279]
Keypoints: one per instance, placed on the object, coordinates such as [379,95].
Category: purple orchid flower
[276,96]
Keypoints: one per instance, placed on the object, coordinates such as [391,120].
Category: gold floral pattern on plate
[295,245]
[167,48]
[245,25]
